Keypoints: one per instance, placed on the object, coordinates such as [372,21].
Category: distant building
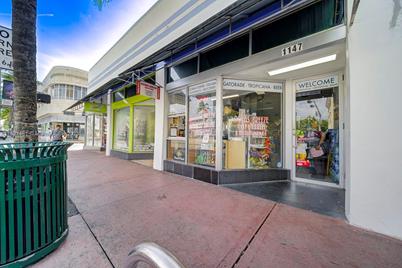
[66,85]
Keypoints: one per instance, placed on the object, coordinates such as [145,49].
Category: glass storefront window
[89,131]
[317,135]
[201,124]
[177,117]
[144,128]
[176,146]
[176,150]
[252,126]
[121,128]
[177,102]
[98,131]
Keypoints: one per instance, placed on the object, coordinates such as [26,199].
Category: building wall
[55,107]
[374,169]
[54,110]
[64,74]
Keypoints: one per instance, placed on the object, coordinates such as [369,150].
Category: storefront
[133,121]
[262,90]
[230,134]
[235,132]
[249,110]
[95,126]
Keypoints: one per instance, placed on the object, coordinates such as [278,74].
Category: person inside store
[58,134]
[319,155]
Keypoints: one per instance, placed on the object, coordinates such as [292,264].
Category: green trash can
[33,201]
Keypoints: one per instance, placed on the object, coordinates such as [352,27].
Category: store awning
[234,20]
[94,96]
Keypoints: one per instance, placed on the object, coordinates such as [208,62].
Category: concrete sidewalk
[122,204]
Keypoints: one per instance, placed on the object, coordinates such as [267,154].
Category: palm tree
[24,15]
[24,65]
[101,3]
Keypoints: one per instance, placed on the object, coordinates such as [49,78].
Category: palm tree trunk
[24,65]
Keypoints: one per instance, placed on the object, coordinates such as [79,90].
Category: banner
[6,56]
[235,84]
[7,93]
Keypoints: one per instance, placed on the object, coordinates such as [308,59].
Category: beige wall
[60,75]
[64,75]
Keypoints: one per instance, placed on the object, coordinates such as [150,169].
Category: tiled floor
[320,199]
[145,162]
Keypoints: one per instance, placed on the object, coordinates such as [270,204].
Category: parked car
[3,134]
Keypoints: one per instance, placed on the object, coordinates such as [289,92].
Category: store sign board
[148,90]
[6,56]
[234,84]
[94,107]
[321,83]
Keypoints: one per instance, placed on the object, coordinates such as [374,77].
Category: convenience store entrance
[317,134]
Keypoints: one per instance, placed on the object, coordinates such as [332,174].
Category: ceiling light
[226,97]
[303,65]
[230,96]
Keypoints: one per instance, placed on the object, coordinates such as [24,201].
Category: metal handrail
[153,255]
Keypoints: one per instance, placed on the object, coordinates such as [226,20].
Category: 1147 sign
[292,49]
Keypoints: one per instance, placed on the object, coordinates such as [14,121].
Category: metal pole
[109,122]
[153,255]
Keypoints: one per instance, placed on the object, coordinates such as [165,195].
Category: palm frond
[101,3]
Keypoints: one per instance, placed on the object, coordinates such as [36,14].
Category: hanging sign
[321,83]
[234,84]
[147,89]
[6,56]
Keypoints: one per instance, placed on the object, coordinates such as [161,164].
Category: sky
[75,33]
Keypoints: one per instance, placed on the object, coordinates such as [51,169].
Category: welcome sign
[6,56]
[321,83]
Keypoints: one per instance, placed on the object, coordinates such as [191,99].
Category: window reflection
[252,129]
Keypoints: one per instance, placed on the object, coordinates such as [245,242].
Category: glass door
[317,135]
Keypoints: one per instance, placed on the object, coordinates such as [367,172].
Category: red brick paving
[208,226]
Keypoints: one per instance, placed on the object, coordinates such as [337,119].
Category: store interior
[313,151]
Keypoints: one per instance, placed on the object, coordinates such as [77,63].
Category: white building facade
[250,91]
[65,85]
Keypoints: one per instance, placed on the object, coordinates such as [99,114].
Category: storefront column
[161,107]
[289,135]
[219,125]
[131,131]
[109,123]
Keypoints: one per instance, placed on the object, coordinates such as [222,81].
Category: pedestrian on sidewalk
[58,134]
